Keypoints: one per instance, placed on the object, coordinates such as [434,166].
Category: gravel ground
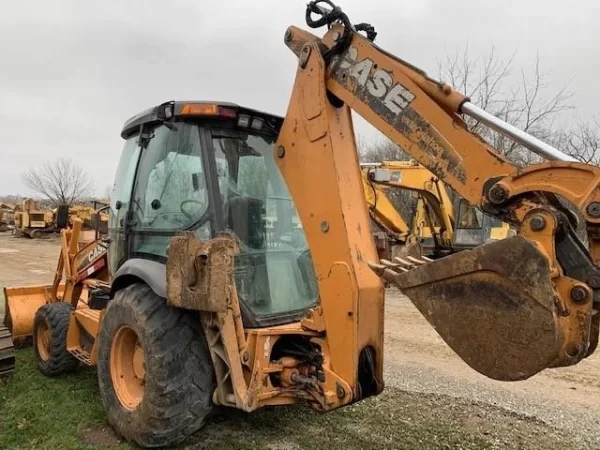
[418,361]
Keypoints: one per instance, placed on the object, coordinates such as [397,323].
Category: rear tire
[160,398]
[50,327]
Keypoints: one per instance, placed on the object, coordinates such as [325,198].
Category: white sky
[73,71]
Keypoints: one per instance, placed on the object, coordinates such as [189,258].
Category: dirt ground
[417,360]
[26,261]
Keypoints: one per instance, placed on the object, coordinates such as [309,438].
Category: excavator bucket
[21,305]
[493,305]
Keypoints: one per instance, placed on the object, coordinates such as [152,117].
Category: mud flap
[493,305]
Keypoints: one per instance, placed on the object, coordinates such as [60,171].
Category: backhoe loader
[202,306]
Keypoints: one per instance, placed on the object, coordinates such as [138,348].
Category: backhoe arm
[510,308]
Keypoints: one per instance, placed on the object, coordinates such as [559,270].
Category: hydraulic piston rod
[532,143]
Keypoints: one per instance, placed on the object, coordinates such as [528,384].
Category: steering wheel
[185,202]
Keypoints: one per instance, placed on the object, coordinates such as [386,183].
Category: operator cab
[474,227]
[207,168]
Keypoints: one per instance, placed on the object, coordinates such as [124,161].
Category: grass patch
[66,413]
[39,412]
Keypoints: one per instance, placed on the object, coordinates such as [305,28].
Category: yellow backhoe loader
[201,306]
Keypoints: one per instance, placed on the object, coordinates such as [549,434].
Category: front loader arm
[510,308]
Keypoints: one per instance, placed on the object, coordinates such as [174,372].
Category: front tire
[50,327]
[154,369]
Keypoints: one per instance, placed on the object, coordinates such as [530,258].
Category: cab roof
[177,108]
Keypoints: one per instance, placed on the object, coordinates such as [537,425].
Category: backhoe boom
[535,284]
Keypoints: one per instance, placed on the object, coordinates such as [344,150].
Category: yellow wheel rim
[43,341]
[127,367]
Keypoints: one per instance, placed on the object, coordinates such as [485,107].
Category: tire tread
[57,317]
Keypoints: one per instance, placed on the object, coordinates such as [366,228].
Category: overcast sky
[73,71]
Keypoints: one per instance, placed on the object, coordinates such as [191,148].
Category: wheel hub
[139,367]
[127,367]
[43,341]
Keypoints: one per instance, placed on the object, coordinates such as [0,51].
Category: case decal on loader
[392,100]
[91,259]
[379,83]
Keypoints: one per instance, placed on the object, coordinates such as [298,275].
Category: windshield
[469,216]
[274,272]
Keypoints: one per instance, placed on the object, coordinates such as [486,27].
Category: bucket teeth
[422,261]
[411,262]
[399,265]
[390,264]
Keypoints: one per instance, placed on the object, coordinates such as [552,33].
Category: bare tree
[107,192]
[60,181]
[526,101]
[582,141]
[380,149]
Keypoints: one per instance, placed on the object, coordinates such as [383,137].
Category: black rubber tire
[179,379]
[60,361]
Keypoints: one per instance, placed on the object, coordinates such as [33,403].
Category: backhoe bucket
[493,305]
[21,305]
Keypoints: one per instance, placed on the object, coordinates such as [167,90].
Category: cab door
[120,200]
[172,192]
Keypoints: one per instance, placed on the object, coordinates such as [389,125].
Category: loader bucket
[493,305]
[21,305]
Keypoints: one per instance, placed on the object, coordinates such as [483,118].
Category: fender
[153,273]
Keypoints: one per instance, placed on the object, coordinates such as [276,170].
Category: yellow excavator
[199,306]
[406,228]
[435,230]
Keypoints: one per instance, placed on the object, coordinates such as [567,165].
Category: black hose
[335,15]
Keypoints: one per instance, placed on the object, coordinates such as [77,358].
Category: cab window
[171,192]
[469,216]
